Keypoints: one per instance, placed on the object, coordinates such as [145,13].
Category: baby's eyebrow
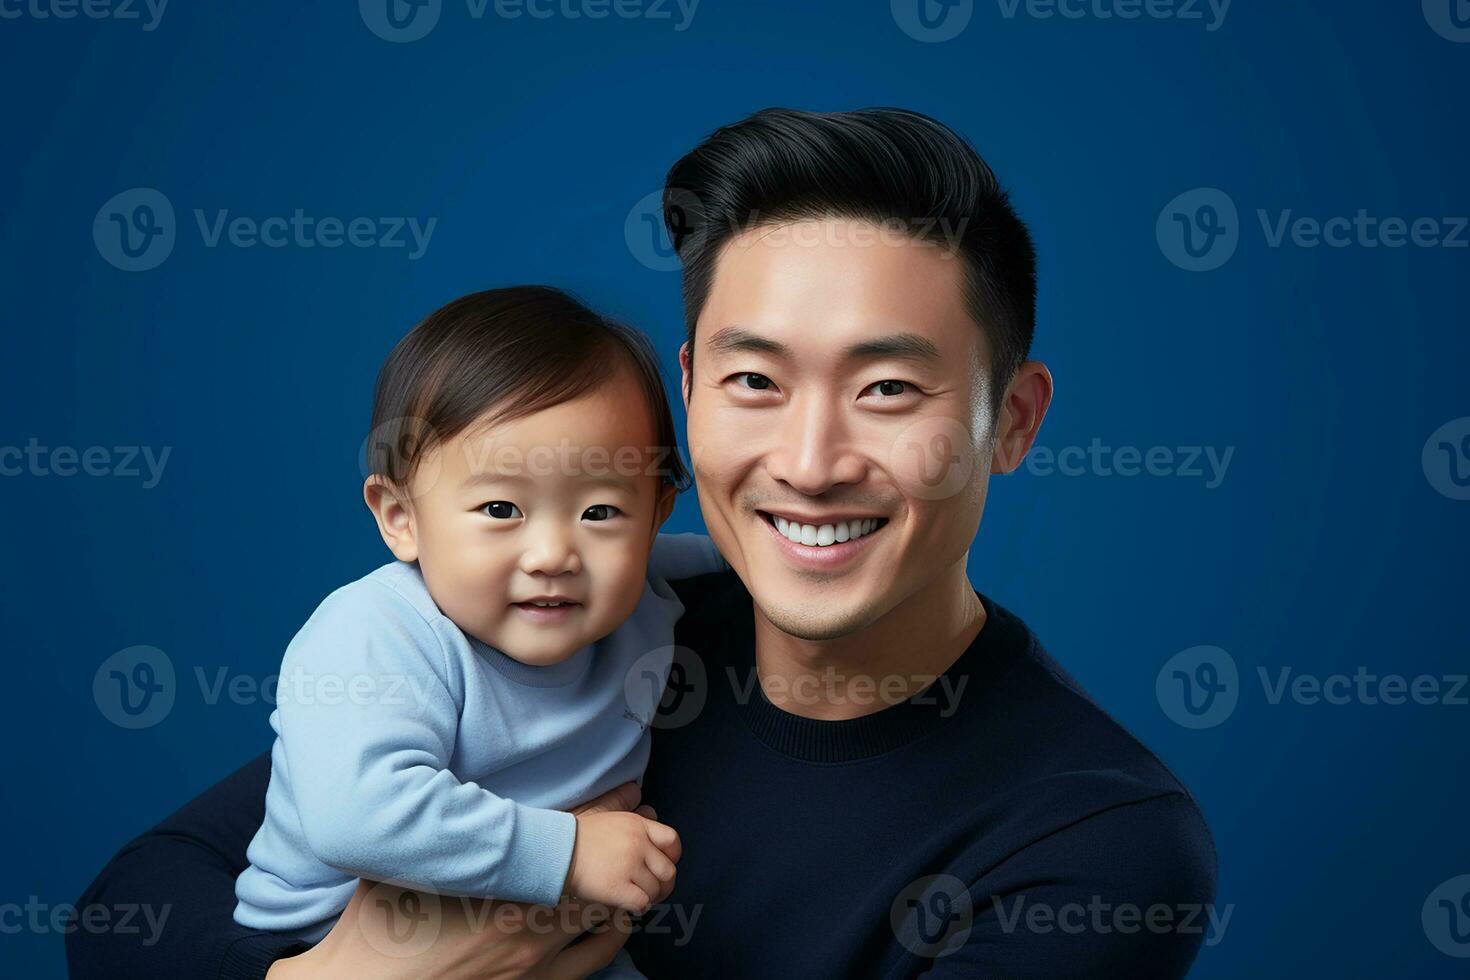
[614,481]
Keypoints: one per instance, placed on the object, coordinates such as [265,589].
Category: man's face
[837,377]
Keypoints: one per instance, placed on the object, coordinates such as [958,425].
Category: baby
[437,716]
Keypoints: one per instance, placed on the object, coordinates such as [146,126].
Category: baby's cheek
[626,576]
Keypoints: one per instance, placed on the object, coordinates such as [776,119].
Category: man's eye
[502,510]
[600,512]
[890,388]
[759,382]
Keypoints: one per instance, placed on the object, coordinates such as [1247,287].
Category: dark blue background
[1324,549]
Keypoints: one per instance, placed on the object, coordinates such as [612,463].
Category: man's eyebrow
[736,340]
[906,345]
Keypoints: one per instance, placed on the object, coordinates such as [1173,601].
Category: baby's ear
[395,520]
[664,506]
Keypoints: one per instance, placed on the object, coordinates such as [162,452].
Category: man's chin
[815,619]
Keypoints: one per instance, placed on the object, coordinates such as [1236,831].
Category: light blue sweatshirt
[407,751]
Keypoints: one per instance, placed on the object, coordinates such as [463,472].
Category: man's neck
[885,662]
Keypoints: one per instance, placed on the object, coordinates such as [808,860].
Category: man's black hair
[887,166]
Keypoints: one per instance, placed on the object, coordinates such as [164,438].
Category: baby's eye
[502,510]
[600,512]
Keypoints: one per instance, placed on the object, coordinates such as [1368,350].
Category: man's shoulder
[1072,761]
[1068,730]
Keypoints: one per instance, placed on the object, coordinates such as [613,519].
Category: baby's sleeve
[685,556]
[368,714]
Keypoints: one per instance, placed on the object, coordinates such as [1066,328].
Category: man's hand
[389,933]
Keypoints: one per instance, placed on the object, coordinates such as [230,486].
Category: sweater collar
[853,739]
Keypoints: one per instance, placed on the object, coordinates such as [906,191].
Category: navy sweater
[998,824]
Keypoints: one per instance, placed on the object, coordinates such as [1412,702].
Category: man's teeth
[822,535]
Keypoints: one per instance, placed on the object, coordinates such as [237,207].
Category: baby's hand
[620,859]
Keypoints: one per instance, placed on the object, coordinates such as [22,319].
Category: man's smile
[822,541]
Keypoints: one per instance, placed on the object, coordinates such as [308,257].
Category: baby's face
[564,502]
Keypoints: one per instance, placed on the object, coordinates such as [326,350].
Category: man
[874,769]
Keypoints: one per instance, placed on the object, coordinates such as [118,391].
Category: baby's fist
[622,860]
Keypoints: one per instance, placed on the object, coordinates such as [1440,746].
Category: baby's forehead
[608,454]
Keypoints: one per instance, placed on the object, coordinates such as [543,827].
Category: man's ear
[391,510]
[686,372]
[1021,413]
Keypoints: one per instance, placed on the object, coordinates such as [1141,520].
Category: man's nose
[550,550]
[813,448]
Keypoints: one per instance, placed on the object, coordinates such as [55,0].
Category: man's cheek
[932,459]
